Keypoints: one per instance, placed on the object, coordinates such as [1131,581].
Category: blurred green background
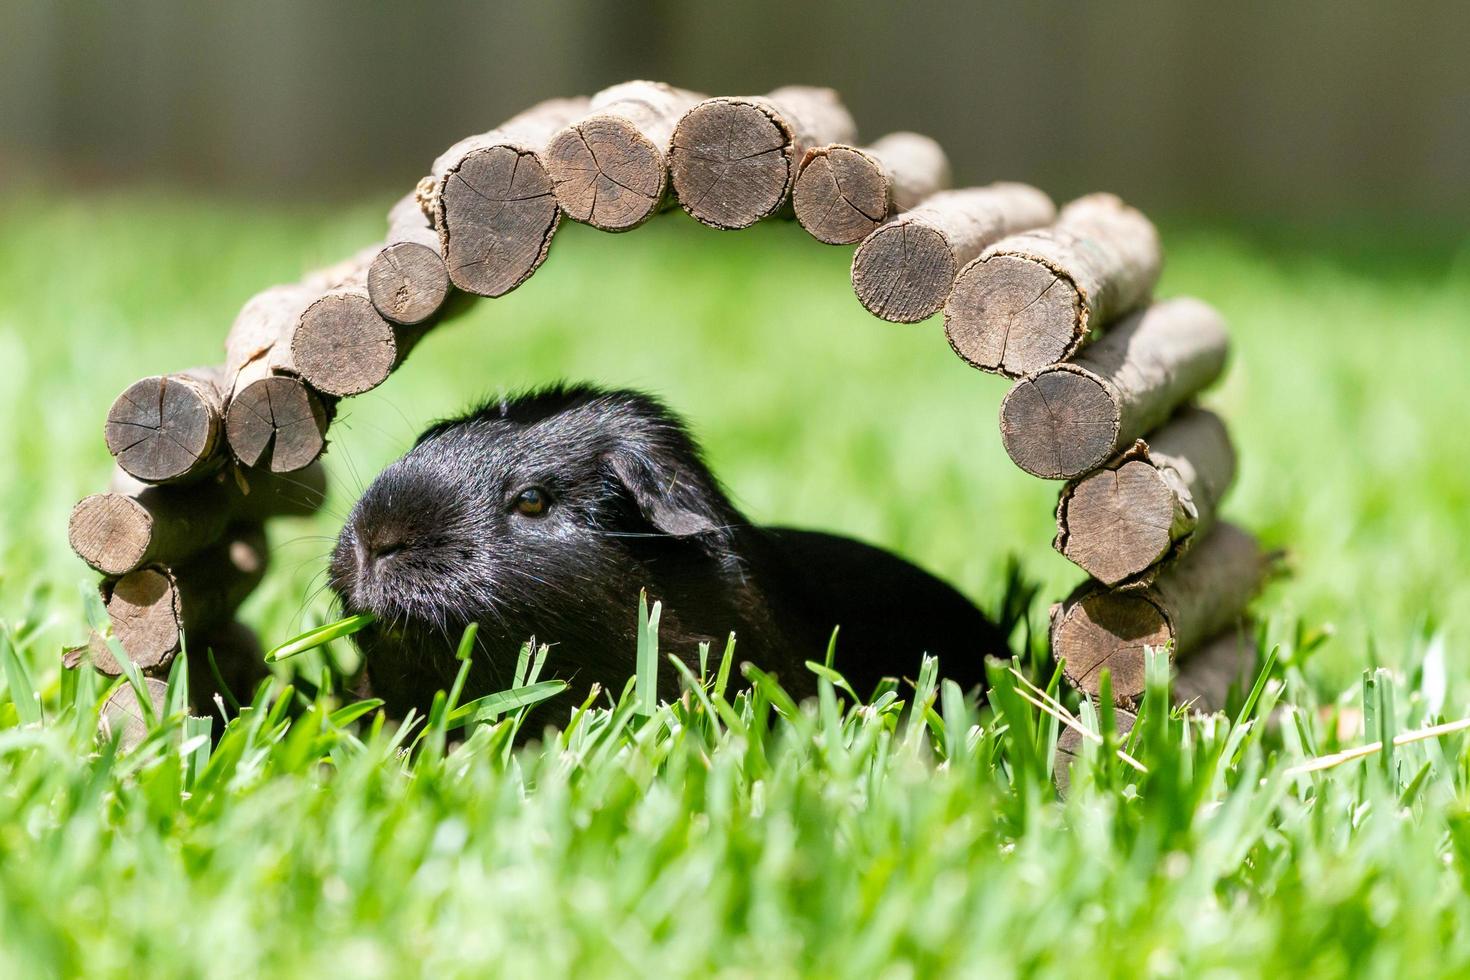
[162,161]
[1328,109]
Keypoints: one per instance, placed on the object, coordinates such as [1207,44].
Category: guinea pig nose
[378,548]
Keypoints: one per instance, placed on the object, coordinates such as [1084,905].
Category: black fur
[437,542]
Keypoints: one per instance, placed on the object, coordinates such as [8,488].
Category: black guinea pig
[544,515]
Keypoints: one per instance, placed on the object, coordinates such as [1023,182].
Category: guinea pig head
[538,516]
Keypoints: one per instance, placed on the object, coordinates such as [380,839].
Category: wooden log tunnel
[206,456]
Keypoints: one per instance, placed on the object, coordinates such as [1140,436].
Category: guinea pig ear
[673,506]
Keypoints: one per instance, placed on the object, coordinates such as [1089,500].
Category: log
[610,167]
[493,202]
[278,424]
[136,524]
[123,717]
[1203,685]
[843,193]
[903,271]
[1188,603]
[116,533]
[341,345]
[151,608]
[1149,504]
[407,281]
[1069,747]
[734,160]
[1068,419]
[273,420]
[169,428]
[1032,299]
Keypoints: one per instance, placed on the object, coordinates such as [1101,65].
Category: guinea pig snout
[378,546]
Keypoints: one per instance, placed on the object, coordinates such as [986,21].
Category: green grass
[719,834]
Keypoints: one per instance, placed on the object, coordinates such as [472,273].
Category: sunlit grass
[733,831]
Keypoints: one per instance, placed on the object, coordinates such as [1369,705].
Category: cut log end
[407,282]
[731,163]
[607,173]
[1109,631]
[841,195]
[1012,315]
[146,617]
[343,347]
[496,216]
[903,272]
[1070,746]
[122,716]
[111,532]
[277,424]
[1118,521]
[1059,424]
[163,428]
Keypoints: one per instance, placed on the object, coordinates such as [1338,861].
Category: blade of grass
[320,636]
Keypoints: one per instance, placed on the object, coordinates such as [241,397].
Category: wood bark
[1032,299]
[1147,505]
[903,271]
[735,159]
[1068,419]
[1190,601]
[136,524]
[152,608]
[493,202]
[407,281]
[169,428]
[843,193]
[610,167]
[123,717]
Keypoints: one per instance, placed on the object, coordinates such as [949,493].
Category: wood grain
[493,202]
[734,159]
[122,717]
[1068,419]
[407,281]
[1148,504]
[1031,300]
[903,271]
[169,428]
[610,167]
[843,193]
[1190,601]
[151,608]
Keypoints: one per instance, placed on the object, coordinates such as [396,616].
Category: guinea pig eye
[532,502]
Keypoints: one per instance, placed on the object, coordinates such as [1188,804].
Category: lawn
[736,835]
